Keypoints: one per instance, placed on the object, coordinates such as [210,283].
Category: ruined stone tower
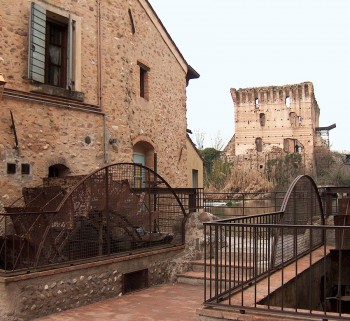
[282,118]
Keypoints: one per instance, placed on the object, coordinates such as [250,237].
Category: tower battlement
[273,94]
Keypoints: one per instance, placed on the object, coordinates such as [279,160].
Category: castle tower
[270,118]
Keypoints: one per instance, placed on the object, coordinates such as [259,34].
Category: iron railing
[191,198]
[238,204]
[287,260]
[306,274]
[117,210]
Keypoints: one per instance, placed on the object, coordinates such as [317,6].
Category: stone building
[195,165]
[89,84]
[274,120]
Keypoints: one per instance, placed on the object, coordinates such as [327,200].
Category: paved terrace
[182,302]
[159,303]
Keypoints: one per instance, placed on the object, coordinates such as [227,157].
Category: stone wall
[85,135]
[40,293]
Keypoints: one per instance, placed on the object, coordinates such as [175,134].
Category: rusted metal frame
[51,200]
[51,215]
[22,197]
[28,233]
[41,245]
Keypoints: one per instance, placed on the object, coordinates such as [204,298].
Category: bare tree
[217,141]
[199,136]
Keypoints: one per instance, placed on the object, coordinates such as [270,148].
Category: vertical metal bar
[225,267]
[243,204]
[324,270]
[242,280]
[296,268]
[282,267]
[205,262]
[234,256]
[221,259]
[255,264]
[230,263]
[268,267]
[216,263]
[275,201]
[211,262]
[155,166]
[310,272]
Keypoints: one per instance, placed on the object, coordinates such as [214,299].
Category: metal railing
[287,261]
[238,204]
[306,273]
[191,198]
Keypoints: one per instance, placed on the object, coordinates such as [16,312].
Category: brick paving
[160,303]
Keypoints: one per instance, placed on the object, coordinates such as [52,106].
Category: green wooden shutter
[36,50]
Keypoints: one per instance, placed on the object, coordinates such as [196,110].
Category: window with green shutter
[50,58]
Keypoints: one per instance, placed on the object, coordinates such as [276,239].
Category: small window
[287,101]
[56,53]
[257,103]
[11,168]
[144,79]
[258,144]
[194,178]
[25,169]
[262,119]
[293,119]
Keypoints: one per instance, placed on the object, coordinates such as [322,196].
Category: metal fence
[238,204]
[119,209]
[286,261]
[227,205]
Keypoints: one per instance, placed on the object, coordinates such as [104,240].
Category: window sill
[59,92]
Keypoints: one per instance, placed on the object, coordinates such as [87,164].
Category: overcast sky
[253,43]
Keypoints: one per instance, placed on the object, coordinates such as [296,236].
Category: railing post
[243,204]
[275,201]
[216,249]
[205,262]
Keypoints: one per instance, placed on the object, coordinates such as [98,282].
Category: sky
[254,43]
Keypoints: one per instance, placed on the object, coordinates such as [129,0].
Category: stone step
[197,278]
[199,265]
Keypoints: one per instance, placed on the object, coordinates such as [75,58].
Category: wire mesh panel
[119,208]
[302,206]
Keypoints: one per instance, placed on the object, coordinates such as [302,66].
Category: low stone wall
[32,295]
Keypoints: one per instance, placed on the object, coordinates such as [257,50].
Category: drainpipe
[99,80]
